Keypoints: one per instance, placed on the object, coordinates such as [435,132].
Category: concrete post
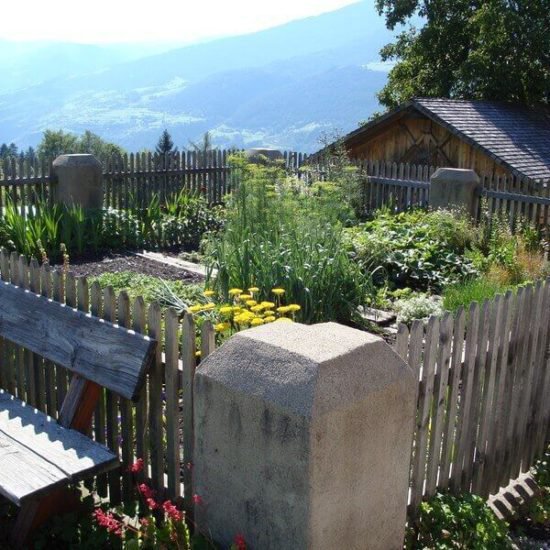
[454,188]
[78,181]
[303,439]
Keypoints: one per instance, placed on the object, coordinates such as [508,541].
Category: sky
[179,21]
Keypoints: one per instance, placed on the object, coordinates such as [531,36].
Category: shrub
[417,306]
[509,258]
[278,234]
[465,521]
[423,250]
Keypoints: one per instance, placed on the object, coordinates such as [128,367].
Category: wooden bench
[39,456]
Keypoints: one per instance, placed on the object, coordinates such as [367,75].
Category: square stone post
[454,188]
[303,438]
[78,181]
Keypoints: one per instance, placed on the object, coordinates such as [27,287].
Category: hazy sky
[103,21]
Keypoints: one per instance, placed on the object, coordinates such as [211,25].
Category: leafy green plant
[420,249]
[457,522]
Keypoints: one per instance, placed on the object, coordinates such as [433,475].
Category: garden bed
[130,262]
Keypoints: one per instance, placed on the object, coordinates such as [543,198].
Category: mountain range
[282,87]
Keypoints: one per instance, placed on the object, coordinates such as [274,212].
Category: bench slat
[37,454]
[111,356]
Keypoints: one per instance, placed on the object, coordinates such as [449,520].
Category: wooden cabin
[490,137]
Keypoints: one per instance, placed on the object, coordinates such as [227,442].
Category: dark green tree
[94,145]
[57,142]
[468,49]
[165,144]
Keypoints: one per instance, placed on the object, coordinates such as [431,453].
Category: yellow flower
[251,303]
[208,306]
[226,310]
[257,308]
[257,322]
[278,291]
[269,312]
[208,293]
[197,354]
[245,297]
[283,309]
[194,309]
[268,305]
[221,327]
[253,289]
[235,292]
[294,307]
[287,319]
[269,319]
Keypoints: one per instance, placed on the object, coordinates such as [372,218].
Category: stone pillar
[454,188]
[78,181]
[302,439]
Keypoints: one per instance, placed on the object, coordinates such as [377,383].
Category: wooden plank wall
[164,411]
[483,414]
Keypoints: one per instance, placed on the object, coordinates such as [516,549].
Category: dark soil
[116,263]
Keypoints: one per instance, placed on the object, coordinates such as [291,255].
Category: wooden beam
[107,354]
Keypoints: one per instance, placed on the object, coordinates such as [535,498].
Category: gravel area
[115,263]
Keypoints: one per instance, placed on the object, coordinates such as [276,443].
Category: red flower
[144,522]
[146,491]
[136,467]
[171,511]
[109,522]
[239,541]
[151,503]
[197,499]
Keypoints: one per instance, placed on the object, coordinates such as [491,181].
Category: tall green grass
[473,290]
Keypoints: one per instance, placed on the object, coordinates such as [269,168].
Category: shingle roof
[516,136]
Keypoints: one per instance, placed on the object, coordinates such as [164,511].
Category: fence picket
[156,406]
[172,404]
[422,428]
[187,376]
[465,399]
[454,384]
[439,402]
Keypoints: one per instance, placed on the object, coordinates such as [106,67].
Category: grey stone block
[454,188]
[302,439]
[78,181]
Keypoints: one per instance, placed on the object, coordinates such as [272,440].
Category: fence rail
[483,413]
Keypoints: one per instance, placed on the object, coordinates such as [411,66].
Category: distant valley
[283,87]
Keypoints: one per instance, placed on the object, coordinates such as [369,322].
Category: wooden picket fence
[24,183]
[483,414]
[159,429]
[130,181]
[404,186]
